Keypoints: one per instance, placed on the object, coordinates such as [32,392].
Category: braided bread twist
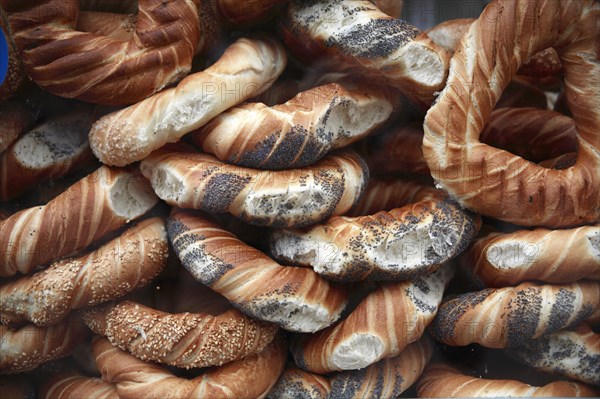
[294,298]
[296,197]
[94,206]
[72,385]
[101,69]
[183,339]
[53,149]
[499,260]
[405,242]
[251,377]
[482,177]
[118,267]
[381,326]
[508,317]
[574,353]
[299,132]
[29,346]
[387,378]
[247,68]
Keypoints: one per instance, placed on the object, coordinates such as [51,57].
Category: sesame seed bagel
[182,339]
[294,298]
[53,149]
[101,69]
[99,203]
[500,260]
[484,178]
[299,132]
[355,34]
[573,352]
[443,381]
[295,197]
[27,347]
[511,316]
[387,378]
[408,241]
[117,268]
[250,377]
[381,326]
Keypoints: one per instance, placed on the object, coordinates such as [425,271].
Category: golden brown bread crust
[393,8]
[574,353]
[553,256]
[399,244]
[387,378]
[246,69]
[72,385]
[355,34]
[251,377]
[16,119]
[29,346]
[294,298]
[117,268]
[51,150]
[448,33]
[294,197]
[107,24]
[94,206]
[182,339]
[534,134]
[299,132]
[510,316]
[482,177]
[386,194]
[442,381]
[159,53]
[381,326]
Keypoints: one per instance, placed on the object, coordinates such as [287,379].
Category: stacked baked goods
[299,199]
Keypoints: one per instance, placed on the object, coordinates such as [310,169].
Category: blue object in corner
[3,57]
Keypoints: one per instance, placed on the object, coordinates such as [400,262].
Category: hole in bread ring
[251,377]
[493,181]
[101,69]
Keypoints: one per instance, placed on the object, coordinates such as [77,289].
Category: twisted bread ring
[50,150]
[294,298]
[251,377]
[499,260]
[574,353]
[247,68]
[299,132]
[508,317]
[443,381]
[381,326]
[183,339]
[387,378]
[482,177]
[118,267]
[97,204]
[72,385]
[296,197]
[29,346]
[405,242]
[357,34]
[100,69]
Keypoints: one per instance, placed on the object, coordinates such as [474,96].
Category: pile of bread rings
[299,199]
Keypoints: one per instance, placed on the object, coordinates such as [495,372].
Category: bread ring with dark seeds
[511,316]
[408,241]
[295,197]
